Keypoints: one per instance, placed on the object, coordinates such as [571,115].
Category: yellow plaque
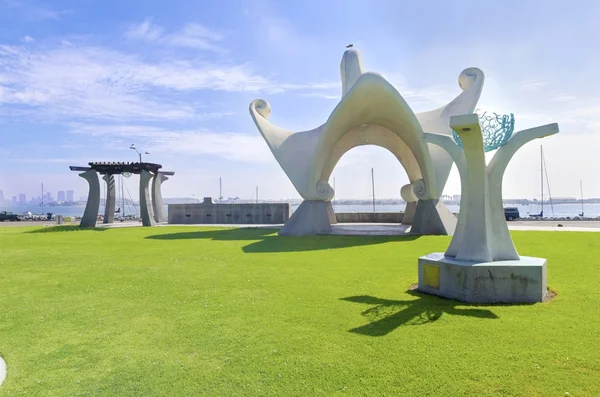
[431,276]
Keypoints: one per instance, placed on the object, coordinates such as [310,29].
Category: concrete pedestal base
[310,218]
[520,281]
[434,218]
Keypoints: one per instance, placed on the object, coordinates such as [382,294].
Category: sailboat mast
[542,176]
[122,199]
[42,198]
[373,187]
[581,190]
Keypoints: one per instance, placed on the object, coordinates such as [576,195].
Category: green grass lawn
[197,311]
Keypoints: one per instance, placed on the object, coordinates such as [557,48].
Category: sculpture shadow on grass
[266,240]
[386,315]
[66,228]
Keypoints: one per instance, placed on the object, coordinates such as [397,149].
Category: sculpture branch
[504,249]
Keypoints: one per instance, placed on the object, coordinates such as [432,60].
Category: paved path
[550,224]
[366,229]
[369,229]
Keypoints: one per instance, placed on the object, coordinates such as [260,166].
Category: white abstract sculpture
[481,263]
[371,112]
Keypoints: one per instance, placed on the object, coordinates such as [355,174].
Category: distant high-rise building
[48,197]
[14,200]
[70,195]
[60,196]
[1,196]
[22,198]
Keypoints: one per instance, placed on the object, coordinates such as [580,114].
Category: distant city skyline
[24,198]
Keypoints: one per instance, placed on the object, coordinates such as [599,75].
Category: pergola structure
[151,202]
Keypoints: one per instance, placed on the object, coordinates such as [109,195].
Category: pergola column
[146,210]
[109,204]
[157,200]
[90,215]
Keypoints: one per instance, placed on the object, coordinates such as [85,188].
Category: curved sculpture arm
[437,121]
[292,150]
[448,144]
[471,82]
[260,110]
[502,157]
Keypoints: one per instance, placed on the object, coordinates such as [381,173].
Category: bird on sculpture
[350,46]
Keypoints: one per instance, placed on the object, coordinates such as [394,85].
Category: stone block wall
[211,213]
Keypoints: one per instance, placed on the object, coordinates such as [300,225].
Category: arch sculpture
[370,112]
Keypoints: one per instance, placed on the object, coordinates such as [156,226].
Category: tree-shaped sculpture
[481,265]
[482,233]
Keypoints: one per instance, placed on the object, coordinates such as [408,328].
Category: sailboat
[541,214]
[543,172]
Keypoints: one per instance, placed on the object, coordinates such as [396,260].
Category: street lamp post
[137,151]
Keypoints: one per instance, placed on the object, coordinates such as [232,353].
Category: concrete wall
[369,217]
[209,213]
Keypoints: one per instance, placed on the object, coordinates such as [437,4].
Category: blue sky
[81,81]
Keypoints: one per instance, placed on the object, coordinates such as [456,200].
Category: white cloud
[28,39]
[562,98]
[47,160]
[422,98]
[227,145]
[144,30]
[34,11]
[321,95]
[191,35]
[531,85]
[84,81]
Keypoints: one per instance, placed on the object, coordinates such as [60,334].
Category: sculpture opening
[352,176]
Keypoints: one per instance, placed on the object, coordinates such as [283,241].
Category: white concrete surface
[518,281]
[2,371]
[548,228]
[369,229]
